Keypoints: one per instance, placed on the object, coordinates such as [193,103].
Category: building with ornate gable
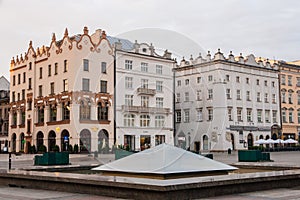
[224,103]
[62,94]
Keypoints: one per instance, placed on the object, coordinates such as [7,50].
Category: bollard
[9,161]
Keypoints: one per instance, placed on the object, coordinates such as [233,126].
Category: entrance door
[250,140]
[197,146]
[205,142]
[232,141]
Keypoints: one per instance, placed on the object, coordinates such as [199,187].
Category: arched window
[159,121]
[129,120]
[85,109]
[144,121]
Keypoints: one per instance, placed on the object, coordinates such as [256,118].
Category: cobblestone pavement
[13,193]
[27,161]
[276,194]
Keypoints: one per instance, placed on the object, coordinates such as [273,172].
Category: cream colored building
[61,94]
[290,99]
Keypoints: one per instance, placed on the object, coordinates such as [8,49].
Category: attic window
[144,50]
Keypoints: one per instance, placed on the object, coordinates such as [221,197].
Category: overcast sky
[266,28]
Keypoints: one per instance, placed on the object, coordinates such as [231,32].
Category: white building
[224,103]
[4,110]
[144,95]
[62,94]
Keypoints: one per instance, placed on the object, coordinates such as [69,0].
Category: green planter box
[120,153]
[52,158]
[249,155]
[62,158]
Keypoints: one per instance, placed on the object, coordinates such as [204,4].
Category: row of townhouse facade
[93,91]
[97,91]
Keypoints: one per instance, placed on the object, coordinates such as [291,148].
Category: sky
[265,28]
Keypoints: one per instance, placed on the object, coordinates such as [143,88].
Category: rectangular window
[186,96]
[30,65]
[290,98]
[159,102]
[228,95]
[178,83]
[210,78]
[298,114]
[65,85]
[249,115]
[41,72]
[23,94]
[13,96]
[258,97]
[199,95]
[237,79]
[298,97]
[247,81]
[128,100]
[210,114]
[210,94]
[40,90]
[274,116]
[283,96]
[266,98]
[290,80]
[282,79]
[65,65]
[14,80]
[259,116]
[239,114]
[128,82]
[267,116]
[273,98]
[19,78]
[298,81]
[284,116]
[144,101]
[128,64]
[187,81]
[85,84]
[103,86]
[159,86]
[199,79]
[178,116]
[18,96]
[103,67]
[257,81]
[85,65]
[187,115]
[29,84]
[227,78]
[55,68]
[158,69]
[291,120]
[199,115]
[52,88]
[177,97]
[144,83]
[229,113]
[266,83]
[238,94]
[49,70]
[273,83]
[144,67]
[24,77]
[248,95]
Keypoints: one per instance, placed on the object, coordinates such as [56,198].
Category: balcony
[141,109]
[146,91]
